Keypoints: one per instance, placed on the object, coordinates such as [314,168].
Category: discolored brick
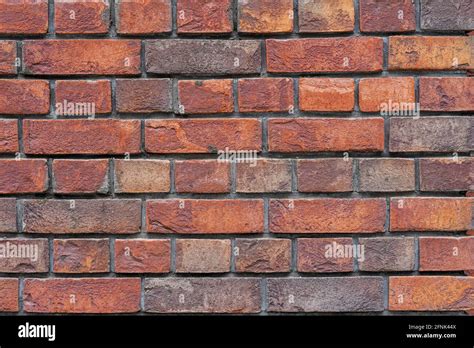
[202,176]
[209,16]
[265,16]
[24,255]
[144,95]
[326,94]
[23,176]
[324,175]
[446,253]
[387,254]
[202,256]
[391,95]
[387,15]
[142,255]
[262,255]
[442,15]
[447,93]
[264,175]
[447,174]
[81,17]
[80,176]
[334,16]
[96,93]
[386,175]
[136,176]
[24,97]
[144,17]
[319,255]
[81,256]
[266,95]
[205,96]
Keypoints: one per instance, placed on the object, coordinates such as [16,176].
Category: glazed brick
[96,92]
[24,255]
[387,15]
[8,64]
[202,295]
[264,175]
[387,254]
[23,176]
[204,216]
[389,93]
[436,293]
[142,256]
[24,97]
[326,135]
[82,216]
[143,17]
[326,16]
[8,136]
[8,215]
[80,176]
[324,175]
[326,94]
[202,135]
[447,93]
[9,289]
[142,176]
[81,57]
[265,16]
[58,137]
[335,294]
[446,174]
[327,215]
[266,95]
[87,17]
[202,256]
[209,16]
[446,253]
[28,17]
[319,255]
[203,57]
[431,134]
[446,15]
[262,255]
[82,295]
[386,175]
[202,176]
[361,54]
[144,95]
[81,256]
[430,214]
[205,96]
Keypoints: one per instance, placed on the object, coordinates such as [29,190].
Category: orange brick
[136,176]
[209,16]
[332,16]
[326,94]
[142,255]
[266,95]
[389,94]
[205,96]
[9,289]
[143,17]
[266,16]
[446,253]
[202,256]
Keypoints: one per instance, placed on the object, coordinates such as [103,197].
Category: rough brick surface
[265,16]
[21,97]
[88,17]
[135,176]
[447,93]
[202,256]
[143,17]
[319,255]
[376,94]
[23,176]
[326,16]
[9,295]
[266,95]
[262,255]
[8,57]
[386,175]
[8,136]
[205,96]
[447,174]
[264,176]
[80,176]
[27,17]
[325,175]
[24,255]
[142,256]
[446,253]
[8,215]
[210,16]
[144,95]
[387,15]
[326,94]
[442,15]
[202,176]
[387,254]
[96,92]
[81,256]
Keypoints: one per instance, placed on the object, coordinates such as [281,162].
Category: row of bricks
[231,57]
[238,295]
[393,95]
[327,175]
[239,216]
[216,16]
[376,254]
[212,135]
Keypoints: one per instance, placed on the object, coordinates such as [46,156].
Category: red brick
[386,175]
[447,174]
[8,215]
[202,135]
[446,253]
[387,15]
[23,176]
[8,136]
[82,295]
[262,255]
[8,63]
[85,17]
[326,135]
[81,136]
[143,17]
[142,256]
[361,54]
[266,16]
[447,93]
[324,175]
[9,289]
[205,96]
[202,176]
[264,175]
[80,176]
[327,215]
[81,57]
[387,254]
[266,95]
[23,97]
[24,17]
[317,16]
[144,95]
[137,176]
[24,255]
[202,256]
[96,92]
[81,256]
[430,214]
[326,94]
[192,216]
[318,255]
[209,16]
[388,94]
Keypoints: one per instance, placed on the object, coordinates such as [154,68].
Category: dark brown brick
[8,215]
[144,95]
[447,174]
[262,255]
[442,15]
[386,175]
[387,254]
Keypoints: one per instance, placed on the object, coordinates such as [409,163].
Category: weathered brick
[436,293]
[136,176]
[430,214]
[202,256]
[142,255]
[202,295]
[81,136]
[386,175]
[326,135]
[8,136]
[326,94]
[447,174]
[80,176]
[143,17]
[205,96]
[447,15]
[447,93]
[210,16]
[335,294]
[81,17]
[388,94]
[265,16]
[324,175]
[202,176]
[266,95]
[8,215]
[9,289]
[144,95]
[264,175]
[387,254]
[319,255]
[446,253]
[24,255]
[90,295]
[202,135]
[192,216]
[81,57]
[387,15]
[84,94]
[326,16]
[81,256]
[431,134]
[23,97]
[361,54]
[8,63]
[262,255]
[327,215]
[24,17]
[23,176]
[203,57]
[82,216]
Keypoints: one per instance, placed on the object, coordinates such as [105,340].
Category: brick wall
[355,117]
